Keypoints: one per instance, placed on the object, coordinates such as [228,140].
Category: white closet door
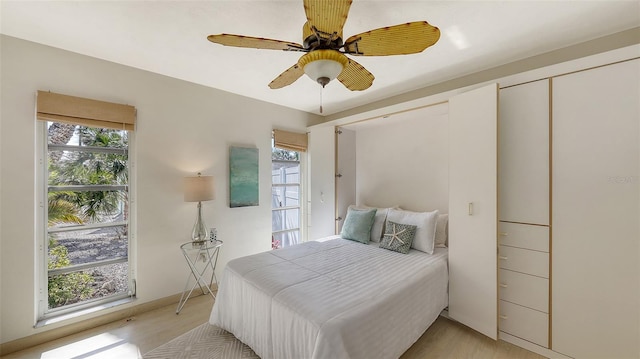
[524,153]
[321,206]
[596,185]
[473,209]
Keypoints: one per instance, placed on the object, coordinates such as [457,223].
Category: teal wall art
[243,177]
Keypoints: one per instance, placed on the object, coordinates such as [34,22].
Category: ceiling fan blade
[355,77]
[409,38]
[253,42]
[327,16]
[288,77]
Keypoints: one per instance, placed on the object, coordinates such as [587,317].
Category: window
[286,191]
[87,212]
[84,247]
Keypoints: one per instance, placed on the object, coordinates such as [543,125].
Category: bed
[332,299]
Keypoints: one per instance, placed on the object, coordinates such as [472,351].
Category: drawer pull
[504,258]
[504,233]
[504,317]
[503,285]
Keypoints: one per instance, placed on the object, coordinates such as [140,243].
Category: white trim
[41,302]
[82,227]
[304,184]
[78,313]
[133,217]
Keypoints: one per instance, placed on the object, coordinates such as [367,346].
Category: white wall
[402,160]
[182,129]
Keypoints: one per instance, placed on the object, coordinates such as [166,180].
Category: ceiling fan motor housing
[315,39]
[314,42]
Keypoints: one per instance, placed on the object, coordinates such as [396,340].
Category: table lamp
[199,189]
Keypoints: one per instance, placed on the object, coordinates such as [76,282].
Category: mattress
[332,299]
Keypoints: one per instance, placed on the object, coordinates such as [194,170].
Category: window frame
[43,313]
[302,156]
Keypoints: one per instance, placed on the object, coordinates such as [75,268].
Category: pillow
[441,230]
[378,222]
[357,225]
[398,237]
[425,223]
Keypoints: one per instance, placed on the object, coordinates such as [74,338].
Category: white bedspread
[333,299]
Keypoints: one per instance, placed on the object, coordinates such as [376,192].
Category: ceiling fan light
[323,69]
[323,66]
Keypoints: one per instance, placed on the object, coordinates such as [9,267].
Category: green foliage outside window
[81,168]
[278,154]
[91,168]
[66,288]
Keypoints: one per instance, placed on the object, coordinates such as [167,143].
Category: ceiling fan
[325,49]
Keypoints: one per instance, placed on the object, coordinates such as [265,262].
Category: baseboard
[63,331]
[531,347]
[445,313]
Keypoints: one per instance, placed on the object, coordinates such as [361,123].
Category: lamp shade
[198,189]
[323,65]
[323,68]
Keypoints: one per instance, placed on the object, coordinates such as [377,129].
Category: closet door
[473,209]
[524,153]
[596,210]
[321,206]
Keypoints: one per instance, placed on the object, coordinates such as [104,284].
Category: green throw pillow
[357,225]
[398,237]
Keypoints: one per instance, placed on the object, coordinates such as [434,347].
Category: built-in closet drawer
[524,236]
[524,323]
[524,289]
[524,261]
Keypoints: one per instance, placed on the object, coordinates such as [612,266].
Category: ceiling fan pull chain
[321,88]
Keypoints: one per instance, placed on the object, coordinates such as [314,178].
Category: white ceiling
[169,38]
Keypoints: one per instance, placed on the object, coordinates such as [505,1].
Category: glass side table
[207,254]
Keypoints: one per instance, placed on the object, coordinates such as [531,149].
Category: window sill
[79,313]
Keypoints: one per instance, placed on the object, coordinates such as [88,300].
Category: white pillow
[441,230]
[378,221]
[426,223]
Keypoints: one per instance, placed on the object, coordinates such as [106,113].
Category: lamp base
[198,244]
[199,234]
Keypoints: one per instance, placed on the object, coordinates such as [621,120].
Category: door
[596,170]
[321,195]
[524,153]
[473,196]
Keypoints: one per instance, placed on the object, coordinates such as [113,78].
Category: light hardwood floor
[448,339]
[137,335]
[125,339]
